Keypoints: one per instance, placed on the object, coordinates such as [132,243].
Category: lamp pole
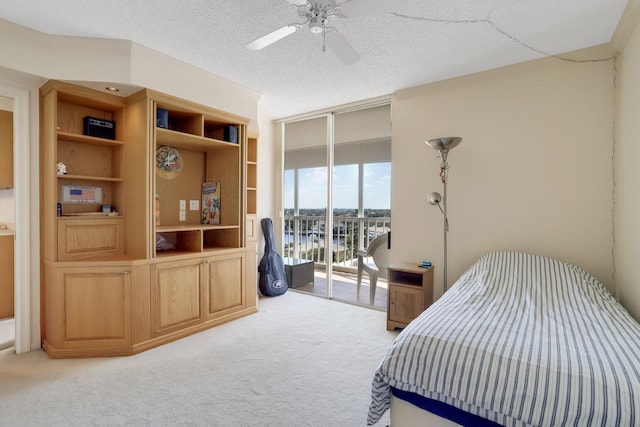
[443,173]
[443,145]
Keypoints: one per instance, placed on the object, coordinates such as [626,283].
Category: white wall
[7,206]
[533,172]
[627,201]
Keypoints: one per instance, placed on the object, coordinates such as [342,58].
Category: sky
[313,187]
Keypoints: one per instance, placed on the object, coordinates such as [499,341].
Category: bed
[518,340]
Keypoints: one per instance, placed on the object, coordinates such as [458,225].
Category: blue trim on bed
[443,410]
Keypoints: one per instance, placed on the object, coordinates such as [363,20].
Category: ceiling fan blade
[341,47]
[298,2]
[272,37]
[355,8]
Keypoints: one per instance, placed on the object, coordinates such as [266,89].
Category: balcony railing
[305,237]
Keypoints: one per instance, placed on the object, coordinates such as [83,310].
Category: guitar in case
[273,279]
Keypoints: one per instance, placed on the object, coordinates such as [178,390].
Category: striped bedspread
[521,340]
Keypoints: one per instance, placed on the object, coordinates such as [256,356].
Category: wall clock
[169,162]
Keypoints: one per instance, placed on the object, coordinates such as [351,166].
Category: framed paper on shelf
[81,194]
[210,202]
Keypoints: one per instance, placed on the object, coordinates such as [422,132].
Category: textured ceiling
[430,40]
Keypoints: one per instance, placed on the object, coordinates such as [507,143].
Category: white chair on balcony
[378,250]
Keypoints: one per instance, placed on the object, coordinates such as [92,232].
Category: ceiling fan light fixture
[318,15]
[316,25]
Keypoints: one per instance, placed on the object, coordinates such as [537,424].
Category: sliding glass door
[306,166]
[361,204]
[337,170]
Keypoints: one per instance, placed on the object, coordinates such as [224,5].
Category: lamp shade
[442,144]
[434,198]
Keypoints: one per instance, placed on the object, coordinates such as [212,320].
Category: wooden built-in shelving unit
[252,185]
[106,287]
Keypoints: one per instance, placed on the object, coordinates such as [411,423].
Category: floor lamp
[443,145]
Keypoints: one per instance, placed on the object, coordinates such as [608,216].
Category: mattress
[520,340]
[441,409]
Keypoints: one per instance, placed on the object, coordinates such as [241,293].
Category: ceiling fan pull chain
[324,41]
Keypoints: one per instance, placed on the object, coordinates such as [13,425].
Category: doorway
[7,225]
[24,259]
[336,201]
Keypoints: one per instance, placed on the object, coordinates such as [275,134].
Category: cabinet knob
[126,273]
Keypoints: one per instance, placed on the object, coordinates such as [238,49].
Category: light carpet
[300,361]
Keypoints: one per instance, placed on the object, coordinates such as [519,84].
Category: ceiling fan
[318,14]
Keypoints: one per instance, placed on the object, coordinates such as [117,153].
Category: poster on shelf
[210,202]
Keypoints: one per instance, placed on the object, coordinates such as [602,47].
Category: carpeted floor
[300,361]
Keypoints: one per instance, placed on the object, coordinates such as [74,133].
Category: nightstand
[410,293]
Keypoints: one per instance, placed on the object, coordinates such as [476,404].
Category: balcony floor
[344,288]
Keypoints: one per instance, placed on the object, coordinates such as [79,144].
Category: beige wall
[627,201]
[533,172]
[268,179]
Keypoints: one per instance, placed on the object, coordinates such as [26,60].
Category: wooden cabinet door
[176,295]
[405,303]
[88,307]
[225,284]
[87,238]
[251,281]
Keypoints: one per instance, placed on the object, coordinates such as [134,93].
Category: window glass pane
[289,191]
[345,190]
[312,191]
[377,189]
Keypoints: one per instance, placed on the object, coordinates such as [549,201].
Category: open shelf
[189,227]
[252,150]
[90,178]
[182,121]
[252,184]
[199,138]
[195,239]
[87,216]
[190,142]
[85,139]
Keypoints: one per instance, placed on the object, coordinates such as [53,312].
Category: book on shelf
[210,202]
